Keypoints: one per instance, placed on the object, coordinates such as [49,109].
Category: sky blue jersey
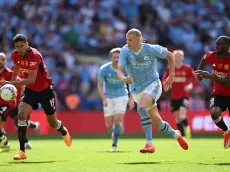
[113,87]
[142,64]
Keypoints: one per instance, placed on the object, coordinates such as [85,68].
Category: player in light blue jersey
[114,96]
[140,59]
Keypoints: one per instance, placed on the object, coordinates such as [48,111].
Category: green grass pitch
[92,155]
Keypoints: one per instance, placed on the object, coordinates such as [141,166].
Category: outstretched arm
[30,80]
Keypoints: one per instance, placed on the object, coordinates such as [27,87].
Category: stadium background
[75,36]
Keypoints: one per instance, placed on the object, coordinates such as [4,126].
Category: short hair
[225,38]
[135,32]
[20,37]
[114,50]
[2,54]
[180,52]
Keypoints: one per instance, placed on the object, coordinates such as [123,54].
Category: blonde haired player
[114,96]
[141,61]
[184,80]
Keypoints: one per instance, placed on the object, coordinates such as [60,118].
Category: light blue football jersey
[113,87]
[142,64]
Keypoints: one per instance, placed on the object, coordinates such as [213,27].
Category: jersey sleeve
[159,51]
[122,58]
[100,76]
[192,75]
[34,62]
[208,59]
[13,57]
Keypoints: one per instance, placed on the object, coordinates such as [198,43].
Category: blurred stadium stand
[75,36]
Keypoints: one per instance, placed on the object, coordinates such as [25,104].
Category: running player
[184,80]
[220,75]
[140,59]
[38,89]
[114,96]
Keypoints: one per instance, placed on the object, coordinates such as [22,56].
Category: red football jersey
[33,61]
[6,76]
[220,68]
[183,77]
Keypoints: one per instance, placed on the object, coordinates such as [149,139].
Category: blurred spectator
[76,35]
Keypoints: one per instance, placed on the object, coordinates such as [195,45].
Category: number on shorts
[3,109]
[52,103]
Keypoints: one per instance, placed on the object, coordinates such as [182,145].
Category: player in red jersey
[38,89]
[184,80]
[10,109]
[220,98]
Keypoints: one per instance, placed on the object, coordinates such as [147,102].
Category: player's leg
[3,138]
[179,123]
[47,100]
[217,106]
[184,122]
[149,99]
[120,105]
[14,115]
[24,110]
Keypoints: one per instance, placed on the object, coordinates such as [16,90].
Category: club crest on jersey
[22,62]
[183,73]
[139,59]
[26,63]
[226,67]
[146,58]
[220,66]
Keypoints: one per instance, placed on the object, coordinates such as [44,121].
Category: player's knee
[22,115]
[109,125]
[215,113]
[117,122]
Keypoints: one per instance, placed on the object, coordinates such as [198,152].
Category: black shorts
[223,102]
[177,103]
[45,97]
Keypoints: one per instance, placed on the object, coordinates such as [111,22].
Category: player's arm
[169,81]
[100,90]
[222,81]
[193,80]
[29,80]
[16,72]
[121,68]
[171,61]
[201,68]
[202,64]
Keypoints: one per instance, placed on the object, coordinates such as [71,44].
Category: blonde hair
[2,54]
[180,52]
[135,32]
[114,50]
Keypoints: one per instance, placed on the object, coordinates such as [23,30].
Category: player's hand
[201,74]
[167,85]
[127,79]
[131,103]
[188,88]
[104,103]
[3,83]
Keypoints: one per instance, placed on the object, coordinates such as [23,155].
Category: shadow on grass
[220,164]
[140,163]
[31,162]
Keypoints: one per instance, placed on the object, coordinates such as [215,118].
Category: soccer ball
[8,92]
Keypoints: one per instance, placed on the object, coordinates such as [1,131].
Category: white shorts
[115,106]
[154,90]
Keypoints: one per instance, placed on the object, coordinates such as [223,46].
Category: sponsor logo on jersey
[33,64]
[220,74]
